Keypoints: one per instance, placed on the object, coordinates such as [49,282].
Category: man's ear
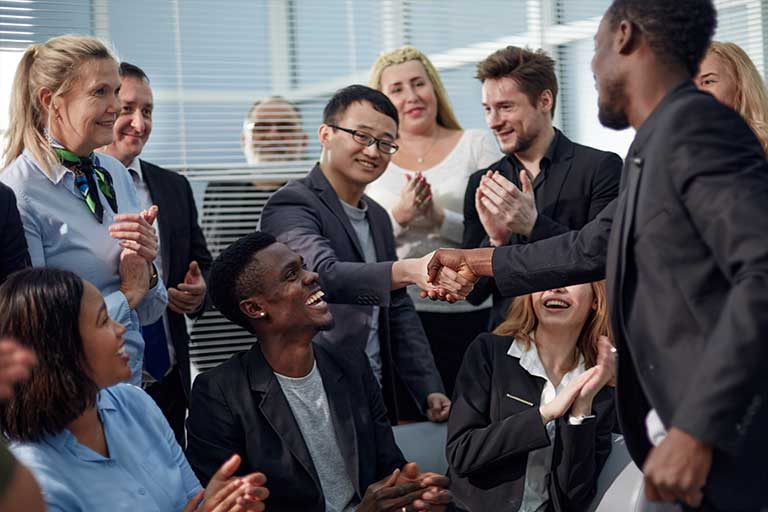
[251,309]
[545,101]
[627,37]
[324,133]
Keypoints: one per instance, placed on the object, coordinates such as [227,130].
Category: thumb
[194,268]
[228,468]
[151,215]
[392,478]
[411,470]
[525,182]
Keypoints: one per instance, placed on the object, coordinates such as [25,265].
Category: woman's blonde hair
[55,65]
[751,97]
[521,321]
[445,116]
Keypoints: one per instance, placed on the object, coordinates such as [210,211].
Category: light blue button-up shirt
[62,232]
[146,469]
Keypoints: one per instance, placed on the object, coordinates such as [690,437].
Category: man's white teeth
[555,303]
[315,298]
[121,351]
[367,164]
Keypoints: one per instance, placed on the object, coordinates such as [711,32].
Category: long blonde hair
[521,321]
[55,65]
[751,97]
[445,116]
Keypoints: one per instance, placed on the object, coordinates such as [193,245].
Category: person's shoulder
[230,373]
[490,344]
[589,153]
[475,176]
[162,172]
[22,173]
[128,399]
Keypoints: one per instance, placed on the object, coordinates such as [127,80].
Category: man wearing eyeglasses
[347,238]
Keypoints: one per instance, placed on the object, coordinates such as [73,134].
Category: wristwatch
[578,420]
[155,278]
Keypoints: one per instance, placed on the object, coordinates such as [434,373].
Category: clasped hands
[407,489]
[416,201]
[226,493]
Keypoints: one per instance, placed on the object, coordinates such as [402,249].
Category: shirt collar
[66,440]
[550,155]
[530,362]
[135,166]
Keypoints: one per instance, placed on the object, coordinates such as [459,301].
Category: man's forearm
[480,261]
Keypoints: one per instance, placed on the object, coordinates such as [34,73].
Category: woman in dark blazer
[531,423]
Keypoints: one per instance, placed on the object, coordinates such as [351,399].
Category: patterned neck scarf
[87,177]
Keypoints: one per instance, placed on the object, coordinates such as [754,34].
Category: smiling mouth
[316,299]
[556,304]
[367,164]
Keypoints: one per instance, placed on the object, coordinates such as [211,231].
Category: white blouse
[476,149]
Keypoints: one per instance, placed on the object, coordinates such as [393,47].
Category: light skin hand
[604,373]
[562,402]
[187,297]
[438,407]
[16,363]
[413,196]
[135,232]
[134,277]
[468,264]
[677,469]
[228,494]
[506,209]
[435,495]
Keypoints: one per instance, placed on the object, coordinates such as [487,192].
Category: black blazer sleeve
[475,443]
[574,257]
[581,454]
[213,432]
[13,245]
[292,216]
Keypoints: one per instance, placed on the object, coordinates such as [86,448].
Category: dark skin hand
[468,263]
[677,469]
[435,496]
[386,495]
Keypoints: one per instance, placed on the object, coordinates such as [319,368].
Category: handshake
[452,273]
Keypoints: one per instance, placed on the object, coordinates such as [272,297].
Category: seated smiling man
[312,421]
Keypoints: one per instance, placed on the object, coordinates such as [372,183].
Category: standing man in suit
[546,184]
[347,238]
[311,419]
[182,259]
[685,253]
[13,244]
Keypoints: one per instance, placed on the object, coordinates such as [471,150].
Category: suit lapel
[552,186]
[379,238]
[159,197]
[336,389]
[276,410]
[329,197]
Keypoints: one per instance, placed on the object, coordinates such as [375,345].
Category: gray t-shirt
[359,219]
[309,404]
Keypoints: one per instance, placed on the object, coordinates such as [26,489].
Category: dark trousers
[169,395]
[449,335]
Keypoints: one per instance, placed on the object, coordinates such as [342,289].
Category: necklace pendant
[420,160]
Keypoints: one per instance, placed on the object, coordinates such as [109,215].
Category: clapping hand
[435,494]
[503,208]
[228,494]
[136,233]
[16,363]
[416,200]
[438,407]
[187,297]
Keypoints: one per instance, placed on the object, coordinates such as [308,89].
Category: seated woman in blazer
[531,423]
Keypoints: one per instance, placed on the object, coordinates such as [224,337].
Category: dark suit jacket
[181,242]
[685,251]
[13,245]
[307,216]
[490,435]
[579,182]
[239,407]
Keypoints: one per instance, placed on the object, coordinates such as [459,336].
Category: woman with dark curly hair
[92,442]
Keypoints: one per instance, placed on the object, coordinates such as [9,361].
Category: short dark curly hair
[678,32]
[41,310]
[236,275]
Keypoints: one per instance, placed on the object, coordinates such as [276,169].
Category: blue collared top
[62,232]
[146,469]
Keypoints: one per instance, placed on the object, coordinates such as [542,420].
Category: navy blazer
[490,435]
[307,215]
[579,182]
[239,407]
[181,242]
[685,253]
[13,244]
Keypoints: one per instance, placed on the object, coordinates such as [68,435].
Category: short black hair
[343,98]
[41,310]
[128,70]
[678,32]
[236,275]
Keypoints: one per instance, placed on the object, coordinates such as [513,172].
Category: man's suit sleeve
[721,176]
[476,444]
[14,255]
[292,218]
[213,433]
[474,237]
[198,247]
[572,258]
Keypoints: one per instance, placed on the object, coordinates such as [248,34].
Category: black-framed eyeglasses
[366,139]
